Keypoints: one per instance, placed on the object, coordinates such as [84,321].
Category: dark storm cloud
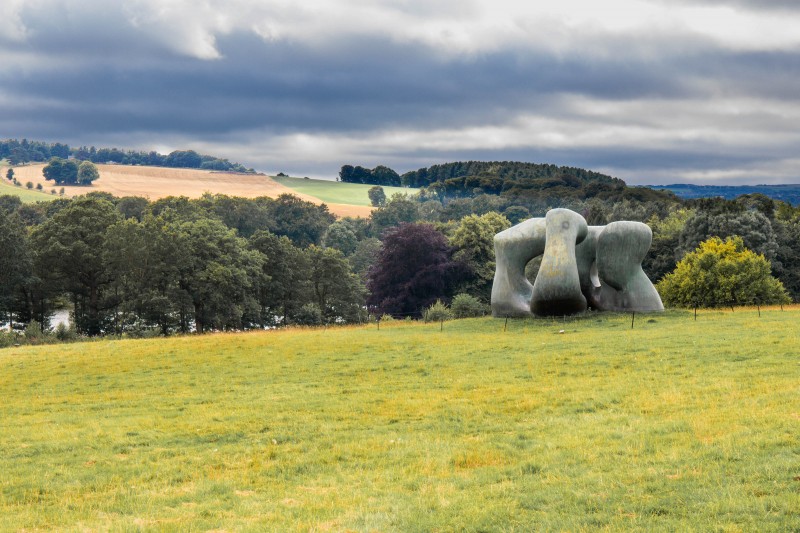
[364,84]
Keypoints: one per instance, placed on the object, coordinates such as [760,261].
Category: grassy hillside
[27,195]
[675,425]
[337,192]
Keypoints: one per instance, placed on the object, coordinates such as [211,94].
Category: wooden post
[505,326]
[441,325]
[633,317]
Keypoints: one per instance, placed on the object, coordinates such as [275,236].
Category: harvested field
[158,182]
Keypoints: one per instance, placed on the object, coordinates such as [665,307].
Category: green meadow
[27,195]
[578,425]
[337,192]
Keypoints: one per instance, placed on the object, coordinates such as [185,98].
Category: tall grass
[584,424]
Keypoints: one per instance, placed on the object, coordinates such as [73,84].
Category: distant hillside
[533,181]
[789,193]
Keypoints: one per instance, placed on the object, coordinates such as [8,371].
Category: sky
[650,91]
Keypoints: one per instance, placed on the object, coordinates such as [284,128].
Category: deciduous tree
[69,256]
[377,197]
[721,273]
[473,242]
[414,269]
[87,173]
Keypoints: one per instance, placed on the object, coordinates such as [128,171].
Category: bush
[29,185]
[466,306]
[8,338]
[386,317]
[438,312]
[66,333]
[39,187]
[309,315]
[34,333]
[721,273]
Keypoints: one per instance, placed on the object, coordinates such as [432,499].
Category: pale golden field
[158,182]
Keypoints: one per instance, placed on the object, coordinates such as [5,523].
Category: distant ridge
[789,193]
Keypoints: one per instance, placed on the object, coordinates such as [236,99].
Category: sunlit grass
[582,424]
[338,192]
[25,194]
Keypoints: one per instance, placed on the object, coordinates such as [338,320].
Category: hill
[531,182]
[159,182]
[789,193]
[676,425]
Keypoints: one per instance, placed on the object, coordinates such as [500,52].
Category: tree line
[19,152]
[129,265]
[532,181]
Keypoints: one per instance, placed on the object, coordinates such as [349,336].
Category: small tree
[87,173]
[376,196]
[721,273]
[438,312]
[29,185]
[10,174]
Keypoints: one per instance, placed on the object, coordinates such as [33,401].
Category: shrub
[309,315]
[34,333]
[466,306]
[386,317]
[8,338]
[438,312]
[39,187]
[721,273]
[29,185]
[66,333]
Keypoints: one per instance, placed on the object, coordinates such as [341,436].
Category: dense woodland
[550,184]
[135,267]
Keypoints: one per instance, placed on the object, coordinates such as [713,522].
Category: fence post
[633,316]
[505,326]
[378,320]
[441,325]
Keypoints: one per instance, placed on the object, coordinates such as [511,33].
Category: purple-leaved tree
[414,268]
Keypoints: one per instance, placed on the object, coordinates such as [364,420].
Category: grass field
[337,192]
[675,425]
[27,195]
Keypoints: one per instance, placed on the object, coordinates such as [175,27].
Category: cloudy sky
[651,91]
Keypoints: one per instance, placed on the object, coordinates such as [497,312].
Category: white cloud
[459,27]
[11,26]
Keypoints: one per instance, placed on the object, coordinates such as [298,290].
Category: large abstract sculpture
[582,266]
